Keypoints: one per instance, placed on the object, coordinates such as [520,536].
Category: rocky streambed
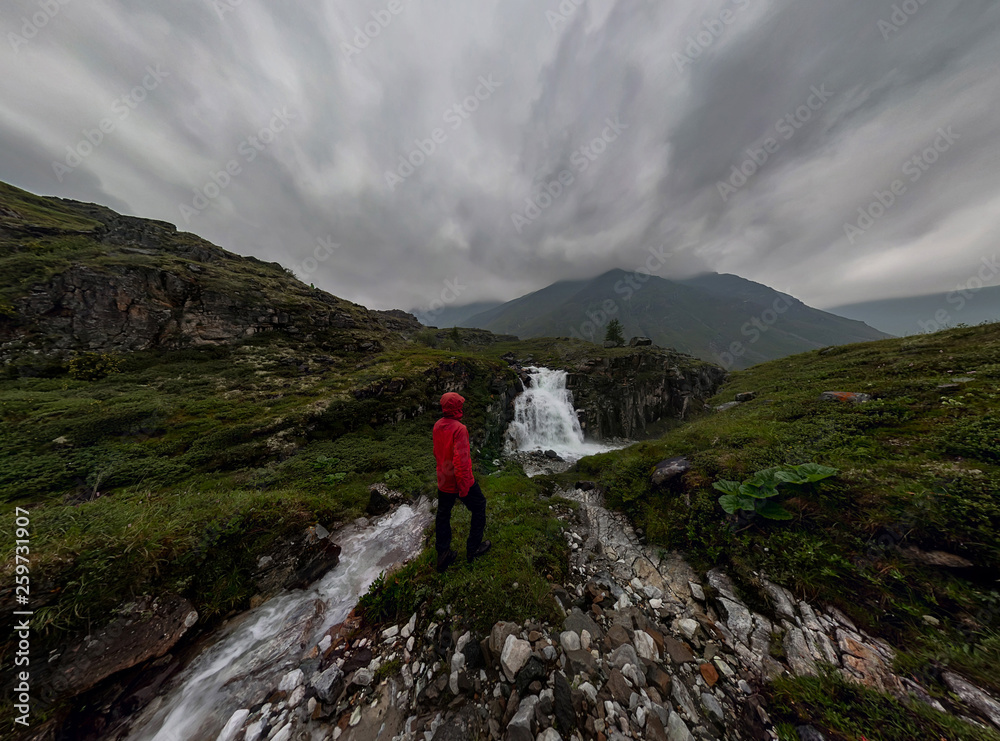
[645,649]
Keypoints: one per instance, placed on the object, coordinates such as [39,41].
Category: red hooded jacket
[451,448]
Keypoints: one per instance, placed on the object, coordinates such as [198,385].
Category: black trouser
[475,502]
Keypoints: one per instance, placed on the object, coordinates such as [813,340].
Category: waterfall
[544,419]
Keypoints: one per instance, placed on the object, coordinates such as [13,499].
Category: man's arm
[463,461]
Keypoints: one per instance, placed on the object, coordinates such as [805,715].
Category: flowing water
[248,658]
[545,419]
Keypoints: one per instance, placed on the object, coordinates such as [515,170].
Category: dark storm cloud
[272,128]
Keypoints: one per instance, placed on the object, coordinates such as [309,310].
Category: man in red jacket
[456,483]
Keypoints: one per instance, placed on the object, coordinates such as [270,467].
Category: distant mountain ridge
[930,313]
[720,318]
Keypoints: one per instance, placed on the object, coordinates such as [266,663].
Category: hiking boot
[483,547]
[445,560]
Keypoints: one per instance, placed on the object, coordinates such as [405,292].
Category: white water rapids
[249,658]
[544,419]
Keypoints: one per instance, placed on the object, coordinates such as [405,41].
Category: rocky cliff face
[624,395]
[89,279]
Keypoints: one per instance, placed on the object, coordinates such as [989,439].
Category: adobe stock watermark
[248,150]
[964,293]
[455,115]
[32,26]
[324,250]
[563,13]
[452,291]
[913,168]
[712,31]
[222,7]
[122,108]
[546,194]
[786,127]
[627,287]
[753,330]
[364,35]
[901,14]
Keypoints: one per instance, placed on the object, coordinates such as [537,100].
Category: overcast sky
[643,109]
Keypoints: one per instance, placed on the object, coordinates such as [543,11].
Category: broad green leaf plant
[757,493]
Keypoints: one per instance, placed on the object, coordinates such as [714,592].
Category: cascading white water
[544,419]
[248,659]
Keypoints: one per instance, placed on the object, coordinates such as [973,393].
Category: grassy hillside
[919,474]
[177,472]
[702,316]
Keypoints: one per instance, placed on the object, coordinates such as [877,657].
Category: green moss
[511,582]
[844,710]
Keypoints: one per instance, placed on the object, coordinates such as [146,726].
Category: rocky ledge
[646,649]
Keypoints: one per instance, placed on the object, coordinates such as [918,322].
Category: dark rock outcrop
[623,396]
[148,629]
[135,284]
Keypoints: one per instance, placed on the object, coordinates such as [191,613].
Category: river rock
[532,671]
[569,640]
[499,633]
[233,726]
[677,730]
[519,728]
[578,622]
[514,656]
[563,704]
[624,654]
[644,646]
[328,684]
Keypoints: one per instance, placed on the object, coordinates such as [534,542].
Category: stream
[250,655]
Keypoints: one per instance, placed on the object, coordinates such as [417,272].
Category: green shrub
[757,493]
[94,366]
[404,480]
[977,438]
[850,710]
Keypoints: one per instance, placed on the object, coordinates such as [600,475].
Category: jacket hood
[451,405]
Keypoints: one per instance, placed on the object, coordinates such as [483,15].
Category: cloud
[366,84]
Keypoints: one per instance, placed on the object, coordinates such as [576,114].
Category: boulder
[746,396]
[670,469]
[381,499]
[847,397]
[640,342]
